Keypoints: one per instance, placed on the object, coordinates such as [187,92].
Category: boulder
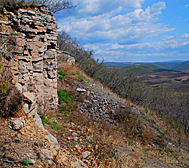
[17,124]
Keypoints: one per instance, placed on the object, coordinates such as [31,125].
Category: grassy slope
[140,140]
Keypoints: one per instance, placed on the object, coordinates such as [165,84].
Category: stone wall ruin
[28,45]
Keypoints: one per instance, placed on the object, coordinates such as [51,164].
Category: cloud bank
[120,30]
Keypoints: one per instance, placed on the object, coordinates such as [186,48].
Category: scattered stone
[32,161]
[38,121]
[17,124]
[99,107]
[64,58]
[5,22]
[29,97]
[74,134]
[54,141]
[81,90]
[85,154]
[47,153]
[26,12]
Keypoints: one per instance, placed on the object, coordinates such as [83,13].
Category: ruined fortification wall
[28,45]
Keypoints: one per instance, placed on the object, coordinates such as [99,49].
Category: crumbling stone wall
[29,49]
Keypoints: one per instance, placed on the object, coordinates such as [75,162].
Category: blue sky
[130,30]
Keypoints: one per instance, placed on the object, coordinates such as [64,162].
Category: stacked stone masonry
[29,49]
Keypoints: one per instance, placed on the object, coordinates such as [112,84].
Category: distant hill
[118,64]
[171,65]
[144,69]
[179,66]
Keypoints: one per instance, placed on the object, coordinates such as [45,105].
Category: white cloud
[186,5]
[157,7]
[167,37]
[129,27]
[118,29]
[91,46]
[186,43]
[157,51]
[171,49]
[185,35]
[104,6]
[155,46]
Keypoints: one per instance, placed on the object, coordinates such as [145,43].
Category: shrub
[10,97]
[26,162]
[41,143]
[45,121]
[64,96]
[61,75]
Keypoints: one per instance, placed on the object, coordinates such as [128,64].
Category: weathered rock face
[29,49]
[65,58]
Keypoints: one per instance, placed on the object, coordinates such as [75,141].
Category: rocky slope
[105,131]
[23,142]
[92,128]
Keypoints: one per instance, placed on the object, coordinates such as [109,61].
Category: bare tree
[53,5]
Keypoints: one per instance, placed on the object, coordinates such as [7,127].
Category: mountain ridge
[171,65]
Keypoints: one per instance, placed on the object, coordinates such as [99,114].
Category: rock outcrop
[28,45]
[65,58]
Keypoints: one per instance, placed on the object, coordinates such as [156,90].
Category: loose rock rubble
[100,104]
[23,143]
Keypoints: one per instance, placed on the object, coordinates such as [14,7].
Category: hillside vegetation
[96,126]
[93,124]
[173,106]
[103,130]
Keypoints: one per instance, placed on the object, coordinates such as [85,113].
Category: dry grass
[140,140]
[74,70]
